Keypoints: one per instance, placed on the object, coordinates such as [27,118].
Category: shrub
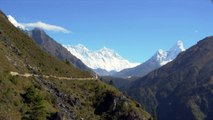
[67,62]
[36,103]
[13,79]
[32,96]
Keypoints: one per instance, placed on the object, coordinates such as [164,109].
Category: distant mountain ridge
[160,58]
[105,58]
[181,89]
[103,72]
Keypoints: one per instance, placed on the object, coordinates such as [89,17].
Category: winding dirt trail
[48,76]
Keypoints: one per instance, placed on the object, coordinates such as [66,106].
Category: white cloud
[15,23]
[38,24]
[46,26]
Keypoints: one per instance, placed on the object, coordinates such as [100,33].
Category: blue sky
[133,28]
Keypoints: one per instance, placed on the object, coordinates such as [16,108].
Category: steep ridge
[183,88]
[38,97]
[50,45]
[30,55]
[159,59]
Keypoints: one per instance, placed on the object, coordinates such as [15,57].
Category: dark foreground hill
[34,85]
[182,89]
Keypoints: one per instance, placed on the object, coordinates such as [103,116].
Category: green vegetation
[97,99]
[36,104]
[25,98]
[67,62]
[13,79]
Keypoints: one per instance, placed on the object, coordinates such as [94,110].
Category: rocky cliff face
[118,106]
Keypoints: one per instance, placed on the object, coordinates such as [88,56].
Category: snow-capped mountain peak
[175,50]
[161,53]
[104,58]
[163,57]
[105,50]
[160,56]
[80,46]
[179,46]
[109,53]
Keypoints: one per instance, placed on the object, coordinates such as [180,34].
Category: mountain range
[160,58]
[104,62]
[181,89]
[105,58]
